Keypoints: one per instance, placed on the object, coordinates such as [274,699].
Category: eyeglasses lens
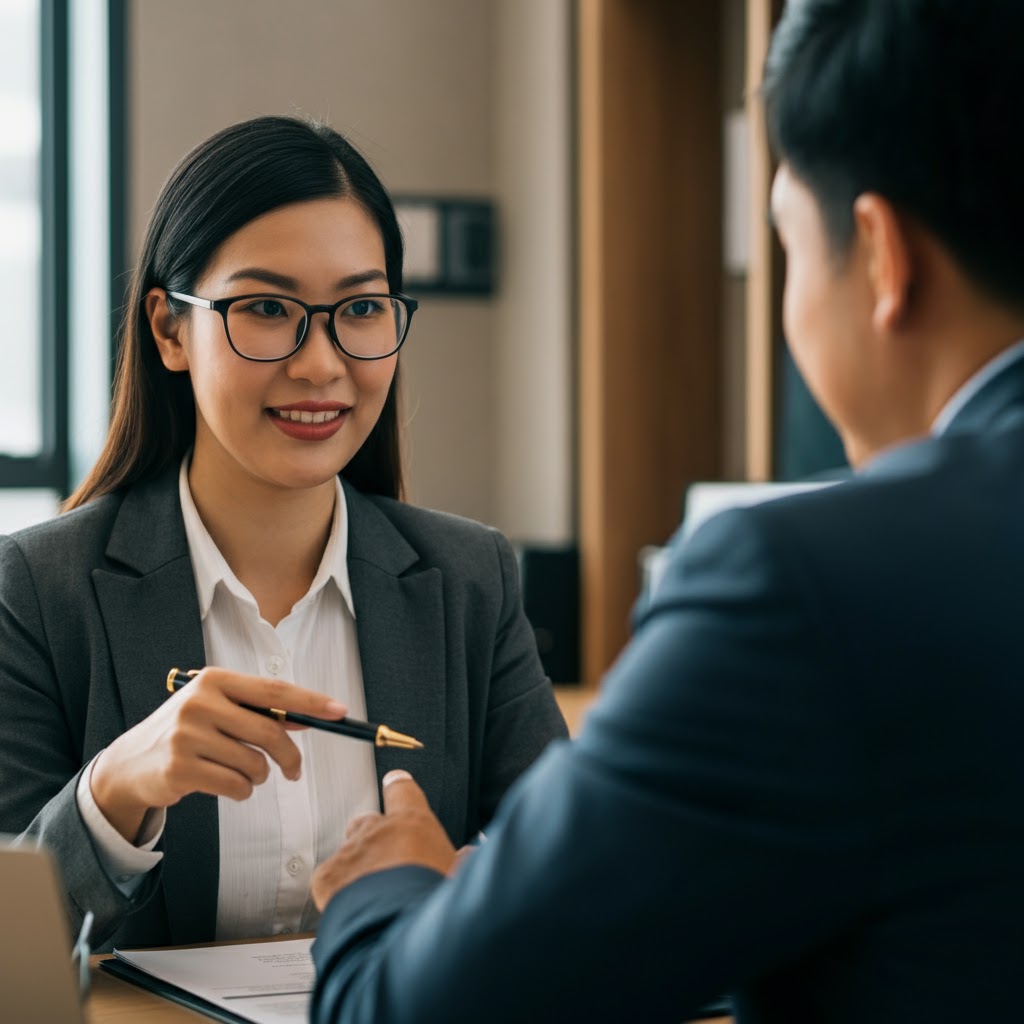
[271,327]
[370,325]
[265,327]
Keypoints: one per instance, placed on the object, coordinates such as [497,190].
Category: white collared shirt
[270,843]
[973,385]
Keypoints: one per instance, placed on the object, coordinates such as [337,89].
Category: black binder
[126,972]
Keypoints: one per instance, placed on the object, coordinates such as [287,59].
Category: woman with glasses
[245,519]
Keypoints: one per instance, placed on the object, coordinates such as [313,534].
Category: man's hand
[406,833]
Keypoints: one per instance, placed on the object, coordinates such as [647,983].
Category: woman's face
[248,414]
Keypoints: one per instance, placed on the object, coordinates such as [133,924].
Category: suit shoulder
[440,536]
[67,538]
[960,490]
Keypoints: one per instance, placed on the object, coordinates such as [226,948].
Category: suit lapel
[400,629]
[151,614]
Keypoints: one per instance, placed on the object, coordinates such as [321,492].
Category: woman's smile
[309,421]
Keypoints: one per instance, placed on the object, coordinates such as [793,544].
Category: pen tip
[390,738]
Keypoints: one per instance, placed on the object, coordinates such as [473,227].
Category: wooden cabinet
[654,373]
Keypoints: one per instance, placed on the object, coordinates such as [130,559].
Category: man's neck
[934,370]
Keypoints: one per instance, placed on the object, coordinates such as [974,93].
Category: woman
[259,361]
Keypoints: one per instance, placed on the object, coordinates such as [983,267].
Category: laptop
[38,982]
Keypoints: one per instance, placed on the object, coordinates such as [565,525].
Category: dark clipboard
[126,972]
[718,1008]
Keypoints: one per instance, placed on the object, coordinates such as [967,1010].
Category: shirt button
[274,664]
[294,866]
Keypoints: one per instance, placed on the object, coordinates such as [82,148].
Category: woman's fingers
[241,725]
[217,779]
[221,749]
[202,740]
[219,696]
[272,693]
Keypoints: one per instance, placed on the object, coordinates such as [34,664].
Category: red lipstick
[309,421]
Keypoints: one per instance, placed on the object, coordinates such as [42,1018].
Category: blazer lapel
[151,614]
[400,629]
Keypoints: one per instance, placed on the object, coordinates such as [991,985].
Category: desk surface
[112,1001]
[574,702]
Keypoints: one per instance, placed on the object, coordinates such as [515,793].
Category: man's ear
[166,329]
[883,237]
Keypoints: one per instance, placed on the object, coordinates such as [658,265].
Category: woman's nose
[319,360]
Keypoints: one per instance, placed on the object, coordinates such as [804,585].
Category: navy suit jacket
[803,783]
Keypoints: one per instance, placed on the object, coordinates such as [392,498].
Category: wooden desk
[112,1001]
[573,702]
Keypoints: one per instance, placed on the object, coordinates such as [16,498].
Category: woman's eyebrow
[266,276]
[286,283]
[365,277]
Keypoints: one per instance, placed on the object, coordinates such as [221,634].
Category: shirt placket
[295,867]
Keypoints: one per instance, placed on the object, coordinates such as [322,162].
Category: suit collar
[993,394]
[996,405]
[373,537]
[148,532]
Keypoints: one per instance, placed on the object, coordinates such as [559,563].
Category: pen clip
[172,676]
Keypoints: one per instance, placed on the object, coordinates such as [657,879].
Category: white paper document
[264,982]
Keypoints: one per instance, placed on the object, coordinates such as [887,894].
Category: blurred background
[582,184]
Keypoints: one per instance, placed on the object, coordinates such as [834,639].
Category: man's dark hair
[921,101]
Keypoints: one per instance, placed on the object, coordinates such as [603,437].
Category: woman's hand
[200,740]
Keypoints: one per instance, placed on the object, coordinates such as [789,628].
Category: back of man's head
[921,101]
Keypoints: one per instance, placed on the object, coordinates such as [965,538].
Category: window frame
[51,468]
[48,468]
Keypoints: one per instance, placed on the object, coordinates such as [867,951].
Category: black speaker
[550,579]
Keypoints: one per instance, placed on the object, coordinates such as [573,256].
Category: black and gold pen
[379,735]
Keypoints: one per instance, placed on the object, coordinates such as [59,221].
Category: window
[33,235]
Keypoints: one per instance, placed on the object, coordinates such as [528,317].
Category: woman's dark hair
[227,181]
[915,100]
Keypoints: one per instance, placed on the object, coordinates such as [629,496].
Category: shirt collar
[210,568]
[973,385]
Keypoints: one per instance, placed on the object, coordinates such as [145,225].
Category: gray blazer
[98,604]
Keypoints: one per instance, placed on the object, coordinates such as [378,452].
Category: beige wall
[534,353]
[411,83]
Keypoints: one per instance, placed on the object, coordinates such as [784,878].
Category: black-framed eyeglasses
[267,328]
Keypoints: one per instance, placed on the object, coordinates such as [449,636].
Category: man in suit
[803,781]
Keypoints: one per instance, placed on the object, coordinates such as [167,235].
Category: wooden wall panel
[764,280]
[650,191]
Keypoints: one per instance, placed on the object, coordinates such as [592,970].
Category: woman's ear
[883,237]
[166,329]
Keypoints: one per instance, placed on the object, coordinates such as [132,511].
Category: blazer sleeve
[708,826]
[522,715]
[39,758]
